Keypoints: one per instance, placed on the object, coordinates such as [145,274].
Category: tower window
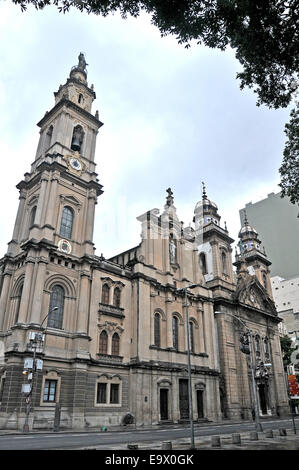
[80,98]
[66,225]
[203,263]
[19,296]
[55,317]
[224,263]
[157,333]
[265,280]
[77,139]
[32,216]
[103,346]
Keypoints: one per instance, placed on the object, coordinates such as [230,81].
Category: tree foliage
[289,170]
[263,33]
[287,350]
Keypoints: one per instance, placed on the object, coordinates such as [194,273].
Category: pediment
[250,292]
[70,199]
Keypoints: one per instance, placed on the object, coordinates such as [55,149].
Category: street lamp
[250,352]
[35,340]
[185,290]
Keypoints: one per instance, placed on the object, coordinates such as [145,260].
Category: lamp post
[35,341]
[254,389]
[185,290]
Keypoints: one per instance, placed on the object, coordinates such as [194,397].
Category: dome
[247,229]
[205,202]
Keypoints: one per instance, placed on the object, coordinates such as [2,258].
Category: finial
[225,227]
[169,199]
[204,194]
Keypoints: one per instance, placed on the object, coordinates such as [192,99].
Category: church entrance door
[184,399]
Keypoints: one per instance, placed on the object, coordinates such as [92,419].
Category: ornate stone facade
[114,333]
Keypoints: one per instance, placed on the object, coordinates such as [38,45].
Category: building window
[157,330]
[105,294]
[203,263]
[19,296]
[265,280]
[103,346]
[116,297]
[55,317]
[224,263]
[48,138]
[191,336]
[115,345]
[266,348]
[101,392]
[114,393]
[175,333]
[32,216]
[77,139]
[50,389]
[66,225]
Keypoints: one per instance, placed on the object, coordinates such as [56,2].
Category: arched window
[224,263]
[80,98]
[32,216]
[191,336]
[175,333]
[77,139]
[103,346]
[116,297]
[105,294]
[19,296]
[115,345]
[265,280]
[157,331]
[203,263]
[55,317]
[66,225]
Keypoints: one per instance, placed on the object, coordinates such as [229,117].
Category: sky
[173,117]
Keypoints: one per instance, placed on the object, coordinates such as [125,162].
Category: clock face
[76,164]
[65,246]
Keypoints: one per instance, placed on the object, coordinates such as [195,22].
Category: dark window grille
[55,317]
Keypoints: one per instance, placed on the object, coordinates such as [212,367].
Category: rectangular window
[101,393]
[50,391]
[114,393]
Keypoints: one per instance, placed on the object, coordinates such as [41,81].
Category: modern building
[286,293]
[89,341]
[277,223]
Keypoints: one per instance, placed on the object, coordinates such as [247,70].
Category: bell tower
[252,256]
[58,196]
[52,248]
[214,245]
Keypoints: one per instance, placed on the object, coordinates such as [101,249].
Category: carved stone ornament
[64,246]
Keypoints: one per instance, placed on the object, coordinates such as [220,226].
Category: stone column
[41,199]
[37,301]
[90,216]
[26,291]
[51,212]
[4,297]
[83,303]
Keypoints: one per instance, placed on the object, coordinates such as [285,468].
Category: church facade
[105,342]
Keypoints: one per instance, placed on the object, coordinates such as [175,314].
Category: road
[111,439]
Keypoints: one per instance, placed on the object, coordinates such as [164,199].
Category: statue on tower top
[82,62]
